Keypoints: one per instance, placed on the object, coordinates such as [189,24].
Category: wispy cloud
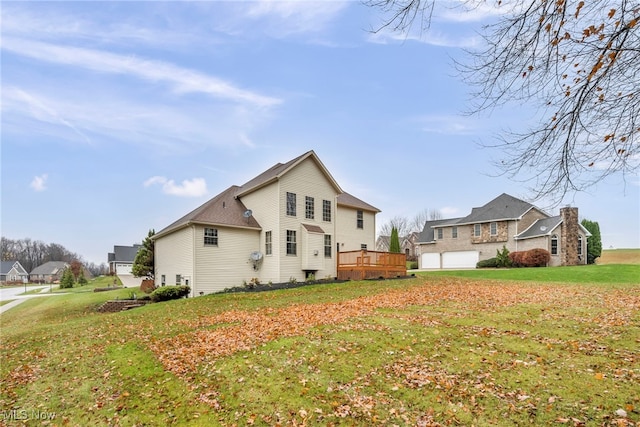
[195,187]
[449,211]
[448,124]
[102,117]
[286,18]
[431,37]
[182,80]
[39,182]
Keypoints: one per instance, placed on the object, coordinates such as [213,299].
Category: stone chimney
[569,240]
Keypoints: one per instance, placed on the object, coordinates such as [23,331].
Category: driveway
[13,294]
[128,281]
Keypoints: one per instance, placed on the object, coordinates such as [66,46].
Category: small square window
[211,237]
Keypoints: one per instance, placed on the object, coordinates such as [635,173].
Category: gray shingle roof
[223,209]
[125,253]
[542,227]
[346,199]
[51,267]
[503,207]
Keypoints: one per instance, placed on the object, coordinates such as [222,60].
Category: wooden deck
[360,265]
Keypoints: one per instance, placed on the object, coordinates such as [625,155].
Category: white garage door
[462,259]
[123,269]
[430,261]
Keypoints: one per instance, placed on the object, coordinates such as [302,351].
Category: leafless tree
[417,223]
[401,223]
[578,62]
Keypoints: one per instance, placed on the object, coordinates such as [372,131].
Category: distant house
[49,272]
[408,244]
[121,259]
[285,224]
[13,272]
[504,221]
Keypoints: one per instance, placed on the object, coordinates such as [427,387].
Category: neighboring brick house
[504,221]
[286,223]
[408,244]
[13,272]
[49,272]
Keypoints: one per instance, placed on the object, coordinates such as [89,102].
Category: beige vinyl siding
[306,179]
[174,255]
[226,265]
[265,207]
[350,237]
[311,250]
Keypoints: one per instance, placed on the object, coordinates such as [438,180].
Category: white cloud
[195,187]
[284,18]
[38,182]
[182,80]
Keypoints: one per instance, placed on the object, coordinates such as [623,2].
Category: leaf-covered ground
[426,353]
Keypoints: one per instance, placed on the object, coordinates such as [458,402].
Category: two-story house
[286,223]
[504,221]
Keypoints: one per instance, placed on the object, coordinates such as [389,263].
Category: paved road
[13,294]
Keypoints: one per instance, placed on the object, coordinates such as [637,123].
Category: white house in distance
[121,259]
[286,223]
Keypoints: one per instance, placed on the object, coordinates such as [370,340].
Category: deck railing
[360,265]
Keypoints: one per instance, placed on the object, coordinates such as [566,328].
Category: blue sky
[119,117]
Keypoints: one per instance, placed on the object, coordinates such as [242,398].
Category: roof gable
[275,172]
[541,227]
[225,209]
[6,267]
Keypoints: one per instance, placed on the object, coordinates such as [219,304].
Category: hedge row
[531,258]
[166,293]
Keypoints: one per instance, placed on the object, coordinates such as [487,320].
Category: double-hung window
[326,210]
[440,233]
[292,248]
[476,230]
[494,228]
[309,208]
[268,245]
[291,204]
[454,232]
[211,237]
[554,245]
[327,246]
[359,219]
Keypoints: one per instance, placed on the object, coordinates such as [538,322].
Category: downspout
[516,236]
[194,264]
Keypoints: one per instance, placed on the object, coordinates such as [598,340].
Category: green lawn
[431,350]
[583,274]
